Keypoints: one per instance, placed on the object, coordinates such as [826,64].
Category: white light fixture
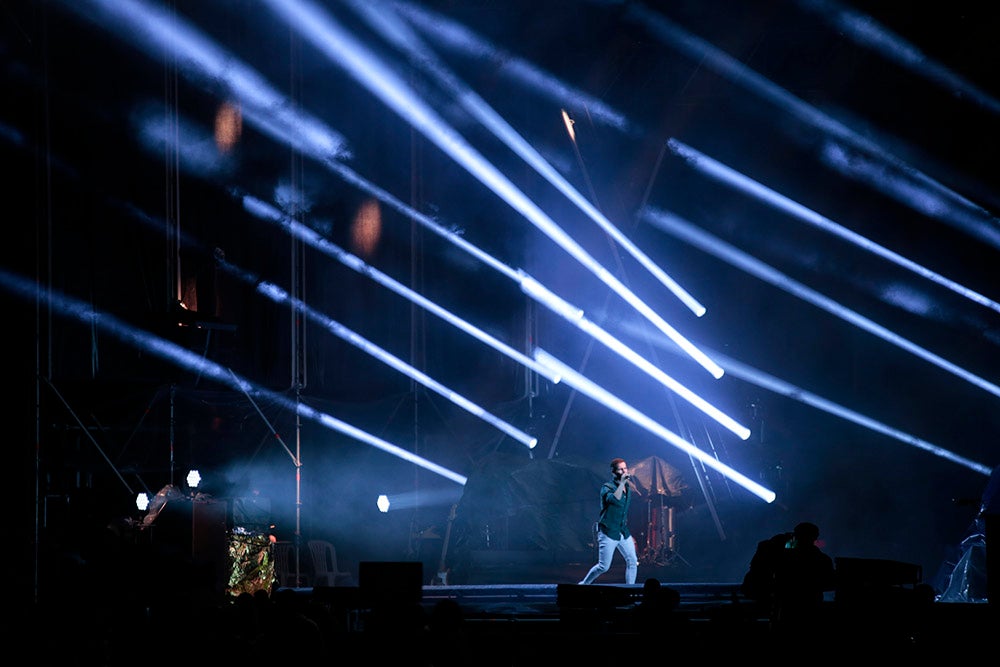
[193,479]
[142,501]
[383,503]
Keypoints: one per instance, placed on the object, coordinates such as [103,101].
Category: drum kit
[661,538]
[663,490]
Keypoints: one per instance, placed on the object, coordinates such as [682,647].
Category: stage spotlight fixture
[383,503]
[193,479]
[422,498]
[142,501]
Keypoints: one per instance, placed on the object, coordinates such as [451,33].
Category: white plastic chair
[284,566]
[325,569]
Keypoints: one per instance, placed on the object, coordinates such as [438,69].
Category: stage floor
[543,600]
[712,615]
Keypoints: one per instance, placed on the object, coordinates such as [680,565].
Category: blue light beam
[605,398]
[324,33]
[84,313]
[690,233]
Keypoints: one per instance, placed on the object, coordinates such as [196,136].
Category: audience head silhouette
[806,533]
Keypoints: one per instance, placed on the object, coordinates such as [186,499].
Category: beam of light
[418,499]
[717,170]
[575,317]
[292,134]
[951,206]
[764,380]
[460,39]
[452,35]
[265,211]
[529,286]
[899,184]
[337,43]
[532,288]
[396,31]
[605,398]
[783,388]
[685,230]
[279,295]
[157,32]
[309,136]
[155,132]
[74,309]
[864,30]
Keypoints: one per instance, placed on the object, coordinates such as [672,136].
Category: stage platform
[712,616]
[540,601]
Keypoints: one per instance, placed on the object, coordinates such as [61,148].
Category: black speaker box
[864,581]
[863,572]
[383,583]
[593,596]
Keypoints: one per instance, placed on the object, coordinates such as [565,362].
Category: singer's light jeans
[605,552]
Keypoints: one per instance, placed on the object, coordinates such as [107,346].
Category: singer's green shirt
[614,511]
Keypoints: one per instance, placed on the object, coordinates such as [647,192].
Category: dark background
[119,198]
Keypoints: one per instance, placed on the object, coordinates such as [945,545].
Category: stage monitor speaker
[868,580]
[877,572]
[391,583]
[593,596]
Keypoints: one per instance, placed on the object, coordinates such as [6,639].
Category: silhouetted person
[758,582]
[446,641]
[289,631]
[803,575]
[656,611]
[788,577]
[447,618]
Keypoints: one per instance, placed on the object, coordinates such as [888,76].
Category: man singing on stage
[612,526]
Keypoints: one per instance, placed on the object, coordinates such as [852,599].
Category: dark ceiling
[875,119]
